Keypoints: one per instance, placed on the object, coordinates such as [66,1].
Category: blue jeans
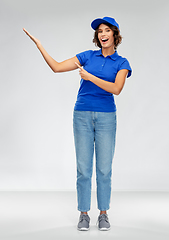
[94,130]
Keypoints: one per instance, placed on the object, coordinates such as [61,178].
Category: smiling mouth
[104,40]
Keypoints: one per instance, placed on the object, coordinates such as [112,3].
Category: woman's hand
[111,87]
[35,40]
[83,73]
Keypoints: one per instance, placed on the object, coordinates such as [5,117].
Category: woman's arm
[64,66]
[114,88]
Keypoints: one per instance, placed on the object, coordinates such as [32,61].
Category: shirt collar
[113,56]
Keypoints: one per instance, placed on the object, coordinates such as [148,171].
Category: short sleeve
[83,57]
[125,65]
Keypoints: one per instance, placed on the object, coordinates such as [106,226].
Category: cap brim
[97,22]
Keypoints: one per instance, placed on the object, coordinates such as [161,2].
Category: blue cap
[105,20]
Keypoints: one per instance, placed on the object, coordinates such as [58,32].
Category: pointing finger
[78,65]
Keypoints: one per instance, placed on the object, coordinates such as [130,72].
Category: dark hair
[116,35]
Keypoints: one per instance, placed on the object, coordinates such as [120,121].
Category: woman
[94,118]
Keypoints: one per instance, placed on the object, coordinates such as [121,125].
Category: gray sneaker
[84,221]
[103,222]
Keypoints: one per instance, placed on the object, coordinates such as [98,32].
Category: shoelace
[84,217]
[103,217]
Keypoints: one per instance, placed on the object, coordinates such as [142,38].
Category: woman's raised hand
[35,40]
[64,66]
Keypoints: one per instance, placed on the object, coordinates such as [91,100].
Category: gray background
[36,105]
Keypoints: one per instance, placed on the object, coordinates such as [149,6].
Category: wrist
[91,77]
[38,45]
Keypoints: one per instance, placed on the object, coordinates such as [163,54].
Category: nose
[103,34]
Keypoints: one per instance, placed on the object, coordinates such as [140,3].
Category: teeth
[104,39]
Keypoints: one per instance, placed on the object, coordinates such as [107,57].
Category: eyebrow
[105,28]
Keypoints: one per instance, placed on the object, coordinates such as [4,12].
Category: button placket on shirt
[103,63]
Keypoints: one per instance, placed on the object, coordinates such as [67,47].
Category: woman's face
[105,36]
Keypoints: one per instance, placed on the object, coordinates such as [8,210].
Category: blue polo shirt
[91,97]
